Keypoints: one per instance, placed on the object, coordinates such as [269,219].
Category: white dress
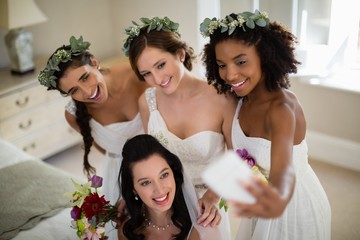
[308,214]
[111,138]
[195,153]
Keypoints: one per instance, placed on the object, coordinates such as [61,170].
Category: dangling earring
[136,197]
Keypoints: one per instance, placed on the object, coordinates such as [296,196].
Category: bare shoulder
[220,99]
[284,107]
[142,101]
[285,99]
[194,235]
[120,231]
[71,119]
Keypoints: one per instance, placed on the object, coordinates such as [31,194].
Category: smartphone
[225,175]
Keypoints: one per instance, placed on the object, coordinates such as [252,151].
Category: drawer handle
[25,126]
[30,146]
[22,103]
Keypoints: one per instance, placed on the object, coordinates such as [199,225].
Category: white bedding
[51,228]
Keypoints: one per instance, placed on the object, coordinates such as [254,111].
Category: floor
[341,185]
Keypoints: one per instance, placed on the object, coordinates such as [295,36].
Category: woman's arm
[71,119]
[208,206]
[194,235]
[272,198]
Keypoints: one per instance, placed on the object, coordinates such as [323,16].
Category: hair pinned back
[46,77]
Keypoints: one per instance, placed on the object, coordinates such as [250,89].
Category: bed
[32,201]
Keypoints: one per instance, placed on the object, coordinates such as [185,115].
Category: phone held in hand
[225,175]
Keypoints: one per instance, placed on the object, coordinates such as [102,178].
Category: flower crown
[155,23]
[77,46]
[229,24]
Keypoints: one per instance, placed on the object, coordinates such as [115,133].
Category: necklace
[149,223]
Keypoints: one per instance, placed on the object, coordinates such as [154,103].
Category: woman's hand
[269,202]
[121,216]
[210,214]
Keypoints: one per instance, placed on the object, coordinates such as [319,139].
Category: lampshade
[19,13]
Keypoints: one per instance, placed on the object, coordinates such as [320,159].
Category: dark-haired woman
[104,105]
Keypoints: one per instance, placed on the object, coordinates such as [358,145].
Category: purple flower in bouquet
[243,153]
[76,213]
[96,181]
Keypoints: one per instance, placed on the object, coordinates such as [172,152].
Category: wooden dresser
[31,117]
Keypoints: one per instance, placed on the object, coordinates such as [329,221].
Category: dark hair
[82,115]
[274,44]
[164,40]
[138,149]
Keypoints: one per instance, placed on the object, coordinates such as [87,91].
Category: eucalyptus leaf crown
[46,77]
[155,23]
[229,24]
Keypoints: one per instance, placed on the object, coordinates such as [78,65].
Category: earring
[136,197]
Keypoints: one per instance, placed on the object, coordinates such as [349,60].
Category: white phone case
[225,175]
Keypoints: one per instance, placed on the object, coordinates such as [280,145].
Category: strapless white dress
[195,153]
[111,138]
[308,214]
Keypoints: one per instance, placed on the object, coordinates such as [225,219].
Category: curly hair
[274,44]
[82,115]
[163,40]
[138,149]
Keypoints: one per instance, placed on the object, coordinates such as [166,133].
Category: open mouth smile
[95,94]
[165,84]
[162,200]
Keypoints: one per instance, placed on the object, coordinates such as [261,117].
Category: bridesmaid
[103,106]
[180,109]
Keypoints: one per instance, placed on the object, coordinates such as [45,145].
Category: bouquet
[244,155]
[90,212]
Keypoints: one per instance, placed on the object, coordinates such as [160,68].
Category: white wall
[329,112]
[102,22]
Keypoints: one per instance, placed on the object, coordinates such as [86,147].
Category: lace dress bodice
[195,152]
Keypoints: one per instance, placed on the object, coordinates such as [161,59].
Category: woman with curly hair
[250,56]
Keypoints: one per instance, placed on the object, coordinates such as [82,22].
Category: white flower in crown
[150,24]
[229,24]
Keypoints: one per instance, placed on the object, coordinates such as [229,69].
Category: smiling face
[239,65]
[161,69]
[84,84]
[154,183]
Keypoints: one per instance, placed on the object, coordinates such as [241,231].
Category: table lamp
[14,15]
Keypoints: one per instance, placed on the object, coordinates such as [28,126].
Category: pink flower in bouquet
[94,234]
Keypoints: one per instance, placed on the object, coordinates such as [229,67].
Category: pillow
[30,191]
[10,154]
